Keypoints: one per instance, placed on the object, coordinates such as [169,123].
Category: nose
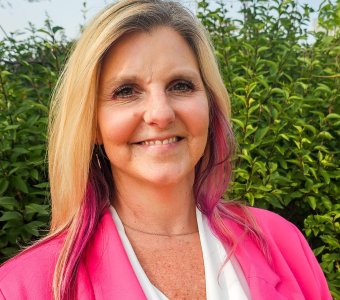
[158,110]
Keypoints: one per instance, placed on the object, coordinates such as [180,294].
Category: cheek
[198,119]
[116,125]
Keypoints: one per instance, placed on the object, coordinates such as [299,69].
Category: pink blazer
[105,272]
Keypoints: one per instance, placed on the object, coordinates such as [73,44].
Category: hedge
[285,100]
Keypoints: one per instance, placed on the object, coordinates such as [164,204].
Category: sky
[16,14]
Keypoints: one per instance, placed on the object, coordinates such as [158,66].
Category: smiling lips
[161,142]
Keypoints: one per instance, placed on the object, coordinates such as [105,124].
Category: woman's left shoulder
[273,225]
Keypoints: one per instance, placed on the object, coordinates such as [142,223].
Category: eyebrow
[133,78]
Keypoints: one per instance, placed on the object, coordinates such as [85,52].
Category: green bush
[286,116]
[285,112]
[28,72]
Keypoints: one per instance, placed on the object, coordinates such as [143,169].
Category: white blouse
[232,284]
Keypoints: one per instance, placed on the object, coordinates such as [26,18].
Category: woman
[139,158]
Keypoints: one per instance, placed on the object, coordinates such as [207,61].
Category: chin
[169,178]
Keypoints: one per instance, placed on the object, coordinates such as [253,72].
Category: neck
[167,209]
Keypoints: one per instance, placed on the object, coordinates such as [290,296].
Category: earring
[96,151]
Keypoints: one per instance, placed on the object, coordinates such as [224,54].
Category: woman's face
[153,111]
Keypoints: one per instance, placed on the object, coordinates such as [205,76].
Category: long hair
[80,190]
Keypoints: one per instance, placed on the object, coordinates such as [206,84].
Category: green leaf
[9,251]
[9,201]
[33,207]
[41,106]
[296,195]
[295,98]
[325,176]
[272,167]
[284,136]
[327,203]
[250,130]
[294,161]
[11,127]
[332,116]
[312,202]
[35,174]
[238,122]
[242,98]
[252,109]
[264,48]
[273,201]
[318,251]
[20,150]
[5,73]
[277,90]
[250,197]
[261,187]
[42,185]
[13,171]
[19,183]
[283,163]
[33,227]
[327,39]
[44,31]
[3,186]
[11,215]
[331,257]
[37,147]
[246,157]
[57,28]
[260,133]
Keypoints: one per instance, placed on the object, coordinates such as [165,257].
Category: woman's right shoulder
[30,272]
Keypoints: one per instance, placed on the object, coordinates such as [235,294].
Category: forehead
[151,55]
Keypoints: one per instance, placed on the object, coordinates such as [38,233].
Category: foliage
[28,72]
[286,115]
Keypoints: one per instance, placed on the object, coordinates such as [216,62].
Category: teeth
[171,140]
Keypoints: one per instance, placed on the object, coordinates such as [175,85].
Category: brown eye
[183,86]
[123,92]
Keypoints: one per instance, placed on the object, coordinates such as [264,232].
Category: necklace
[160,234]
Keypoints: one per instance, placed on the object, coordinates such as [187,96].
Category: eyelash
[191,86]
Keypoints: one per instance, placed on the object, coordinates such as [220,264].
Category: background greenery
[285,108]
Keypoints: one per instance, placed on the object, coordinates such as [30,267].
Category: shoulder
[271,222]
[30,272]
[284,234]
[272,225]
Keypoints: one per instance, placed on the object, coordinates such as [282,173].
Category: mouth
[161,142]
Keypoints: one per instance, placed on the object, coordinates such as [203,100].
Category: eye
[125,91]
[183,86]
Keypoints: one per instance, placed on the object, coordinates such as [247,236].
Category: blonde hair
[72,131]
[73,111]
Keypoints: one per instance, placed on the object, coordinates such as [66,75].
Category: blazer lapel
[108,266]
[261,278]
